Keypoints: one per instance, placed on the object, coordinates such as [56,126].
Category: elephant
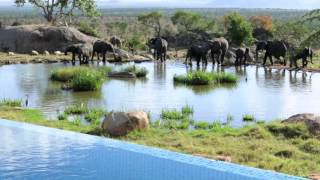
[260,46]
[101,47]
[83,51]
[241,56]
[116,41]
[275,49]
[304,54]
[160,46]
[219,46]
[199,52]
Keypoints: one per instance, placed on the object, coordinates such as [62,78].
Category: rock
[137,58]
[312,121]
[34,53]
[121,123]
[121,75]
[58,53]
[46,53]
[224,158]
[11,53]
[314,176]
[43,37]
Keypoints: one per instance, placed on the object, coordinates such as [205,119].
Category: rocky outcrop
[25,38]
[312,121]
[121,123]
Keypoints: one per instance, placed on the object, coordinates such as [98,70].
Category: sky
[283,4]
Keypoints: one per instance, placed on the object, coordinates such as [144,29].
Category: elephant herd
[216,49]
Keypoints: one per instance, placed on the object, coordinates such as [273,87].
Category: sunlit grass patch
[11,102]
[205,78]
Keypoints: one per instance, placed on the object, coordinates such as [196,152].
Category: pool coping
[236,169]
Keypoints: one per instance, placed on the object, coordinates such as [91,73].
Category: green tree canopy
[55,9]
[191,21]
[314,38]
[238,28]
[152,20]
[291,32]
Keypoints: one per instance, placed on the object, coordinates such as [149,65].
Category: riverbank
[288,148]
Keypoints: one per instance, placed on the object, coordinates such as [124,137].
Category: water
[266,94]
[34,152]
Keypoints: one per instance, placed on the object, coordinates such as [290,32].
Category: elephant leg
[92,56]
[222,57]
[304,62]
[284,61]
[265,59]
[73,57]
[104,57]
[198,61]
[165,55]
[271,61]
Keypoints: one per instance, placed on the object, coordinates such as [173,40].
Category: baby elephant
[304,54]
[241,56]
[83,51]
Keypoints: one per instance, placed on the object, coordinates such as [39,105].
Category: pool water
[264,93]
[34,152]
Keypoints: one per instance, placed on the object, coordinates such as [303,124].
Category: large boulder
[121,123]
[25,38]
[312,121]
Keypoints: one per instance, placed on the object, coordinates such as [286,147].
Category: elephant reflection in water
[293,77]
[241,70]
[160,70]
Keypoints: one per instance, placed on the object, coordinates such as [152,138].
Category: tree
[314,38]
[53,10]
[191,21]
[238,29]
[152,20]
[262,27]
[292,33]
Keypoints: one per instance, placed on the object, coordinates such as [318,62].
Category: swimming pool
[34,152]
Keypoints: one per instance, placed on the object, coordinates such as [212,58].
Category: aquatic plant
[187,110]
[62,117]
[11,102]
[248,117]
[171,114]
[205,78]
[87,80]
[76,109]
[138,71]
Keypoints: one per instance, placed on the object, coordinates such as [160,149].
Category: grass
[76,109]
[81,78]
[287,148]
[11,102]
[187,110]
[201,125]
[138,71]
[205,78]
[248,118]
[94,116]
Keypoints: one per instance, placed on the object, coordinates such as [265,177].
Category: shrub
[88,29]
[11,102]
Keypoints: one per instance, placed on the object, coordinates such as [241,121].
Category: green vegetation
[138,71]
[94,115]
[11,102]
[76,109]
[238,29]
[248,117]
[81,78]
[88,28]
[205,78]
[287,148]
[187,110]
[152,20]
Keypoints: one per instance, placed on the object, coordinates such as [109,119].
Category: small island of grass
[205,78]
